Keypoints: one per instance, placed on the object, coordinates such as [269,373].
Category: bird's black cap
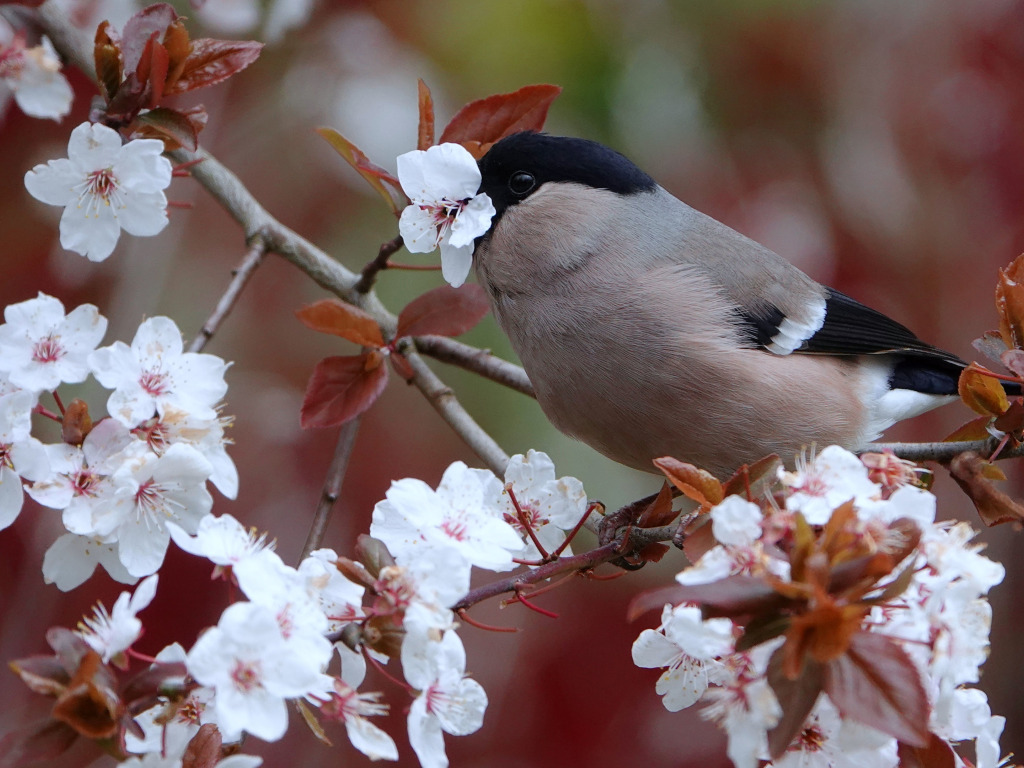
[519,164]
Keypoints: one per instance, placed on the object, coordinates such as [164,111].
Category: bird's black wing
[850,328]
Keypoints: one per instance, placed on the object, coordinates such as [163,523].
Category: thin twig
[478,361]
[369,274]
[332,487]
[638,539]
[445,403]
[240,277]
[943,452]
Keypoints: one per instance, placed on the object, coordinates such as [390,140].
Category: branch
[332,487]
[945,452]
[241,275]
[445,403]
[478,361]
[369,274]
[255,221]
[637,538]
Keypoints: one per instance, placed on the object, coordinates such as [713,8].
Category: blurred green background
[875,144]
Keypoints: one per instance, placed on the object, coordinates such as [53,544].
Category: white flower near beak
[446,211]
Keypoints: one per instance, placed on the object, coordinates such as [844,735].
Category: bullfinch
[649,329]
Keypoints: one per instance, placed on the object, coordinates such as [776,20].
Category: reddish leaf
[1013,420]
[733,596]
[652,553]
[341,319]
[152,70]
[481,123]
[754,481]
[975,429]
[42,674]
[695,483]
[34,743]
[69,647]
[171,127]
[375,176]
[699,538]
[1010,303]
[981,392]
[153,19]
[660,511]
[340,389]
[162,678]
[796,697]
[444,311]
[876,683]
[203,751]
[425,134]
[107,58]
[938,754]
[131,96]
[212,61]
[995,507]
[179,47]
[92,710]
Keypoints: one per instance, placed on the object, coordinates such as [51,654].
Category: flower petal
[53,183]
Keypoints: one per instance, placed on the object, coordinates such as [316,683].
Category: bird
[650,329]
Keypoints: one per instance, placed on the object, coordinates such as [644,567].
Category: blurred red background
[877,145]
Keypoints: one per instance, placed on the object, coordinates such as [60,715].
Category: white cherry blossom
[171,736]
[253,670]
[71,560]
[833,477]
[460,515]
[33,76]
[266,580]
[736,522]
[550,505]
[683,644]
[104,187]
[340,600]
[149,491]
[154,375]
[222,540]
[448,701]
[206,435]
[81,476]
[111,634]
[445,209]
[21,455]
[353,708]
[40,347]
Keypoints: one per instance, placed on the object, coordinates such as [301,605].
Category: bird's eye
[521,182]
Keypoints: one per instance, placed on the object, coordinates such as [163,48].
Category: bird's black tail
[936,376]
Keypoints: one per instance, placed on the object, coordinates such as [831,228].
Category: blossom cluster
[278,644]
[844,574]
[119,482]
[436,537]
